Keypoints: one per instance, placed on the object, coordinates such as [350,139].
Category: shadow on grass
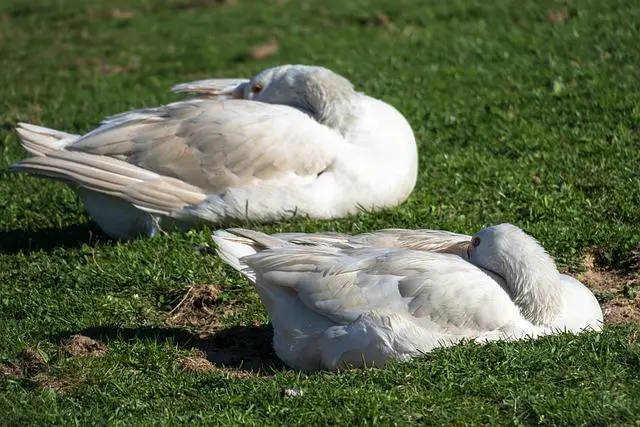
[245,349]
[47,239]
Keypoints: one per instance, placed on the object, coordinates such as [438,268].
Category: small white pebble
[292,392]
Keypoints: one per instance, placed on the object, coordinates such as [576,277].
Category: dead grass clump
[196,362]
[81,346]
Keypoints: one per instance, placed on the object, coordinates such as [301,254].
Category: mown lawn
[526,112]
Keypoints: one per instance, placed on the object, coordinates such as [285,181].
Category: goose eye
[256,88]
[475,242]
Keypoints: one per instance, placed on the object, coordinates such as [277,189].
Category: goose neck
[536,291]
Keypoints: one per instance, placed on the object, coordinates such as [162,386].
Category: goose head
[529,272]
[325,96]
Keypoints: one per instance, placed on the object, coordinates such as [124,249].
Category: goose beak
[462,249]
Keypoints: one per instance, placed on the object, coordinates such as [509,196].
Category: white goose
[292,139]
[333,300]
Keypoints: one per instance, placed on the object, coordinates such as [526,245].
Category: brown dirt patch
[31,366]
[31,361]
[81,346]
[199,309]
[622,311]
[557,16]
[49,382]
[42,379]
[10,370]
[615,287]
[239,351]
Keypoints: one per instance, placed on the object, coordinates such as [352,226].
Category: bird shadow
[48,239]
[244,349]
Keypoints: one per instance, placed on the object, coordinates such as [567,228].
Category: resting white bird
[333,300]
[292,139]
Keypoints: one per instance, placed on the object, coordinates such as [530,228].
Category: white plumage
[336,299]
[292,140]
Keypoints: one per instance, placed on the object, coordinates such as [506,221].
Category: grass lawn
[526,112]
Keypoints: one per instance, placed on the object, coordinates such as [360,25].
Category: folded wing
[441,292]
[422,240]
[217,145]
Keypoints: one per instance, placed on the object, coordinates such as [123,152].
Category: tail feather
[232,249]
[40,141]
[146,190]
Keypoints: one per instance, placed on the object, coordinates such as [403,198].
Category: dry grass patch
[196,363]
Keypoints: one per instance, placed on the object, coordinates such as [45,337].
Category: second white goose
[333,301]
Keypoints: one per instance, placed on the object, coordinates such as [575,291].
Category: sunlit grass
[524,112]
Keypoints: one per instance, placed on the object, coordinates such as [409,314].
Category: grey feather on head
[325,96]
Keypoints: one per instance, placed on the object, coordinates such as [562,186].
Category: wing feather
[439,290]
[217,145]
[422,240]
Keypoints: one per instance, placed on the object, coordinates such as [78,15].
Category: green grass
[518,119]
